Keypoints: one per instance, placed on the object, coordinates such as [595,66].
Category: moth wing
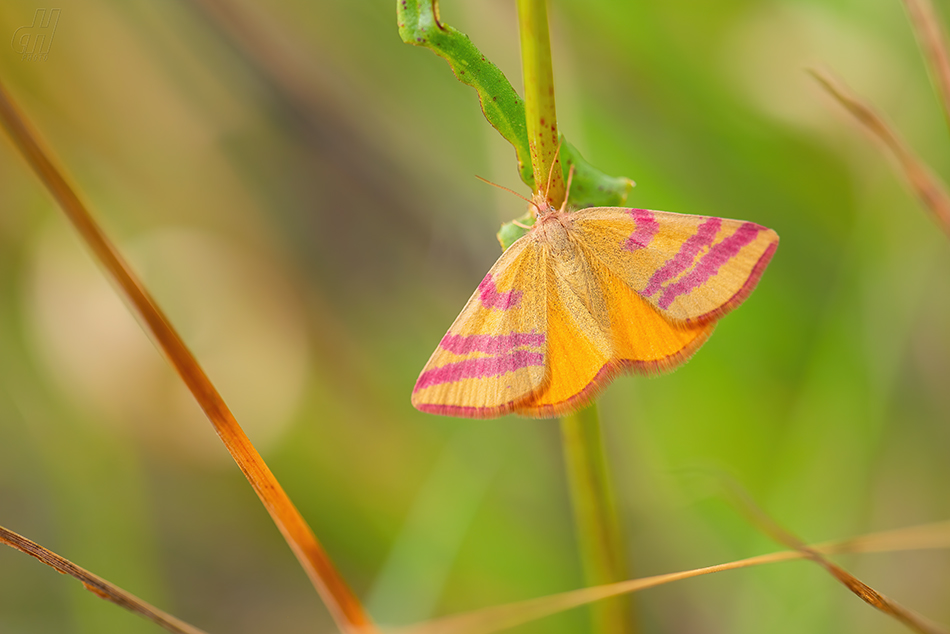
[578,347]
[598,327]
[494,354]
[691,268]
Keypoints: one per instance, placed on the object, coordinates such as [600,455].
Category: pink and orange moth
[584,296]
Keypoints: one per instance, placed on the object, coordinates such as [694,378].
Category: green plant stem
[420,25]
[595,517]
[540,113]
[595,514]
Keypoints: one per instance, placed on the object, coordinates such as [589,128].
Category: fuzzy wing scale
[598,327]
[494,355]
[691,268]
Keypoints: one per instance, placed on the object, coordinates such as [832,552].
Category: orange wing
[692,268]
[494,354]
[597,327]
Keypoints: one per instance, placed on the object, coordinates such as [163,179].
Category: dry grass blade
[501,617]
[928,187]
[934,45]
[97,585]
[339,599]
[923,537]
[865,592]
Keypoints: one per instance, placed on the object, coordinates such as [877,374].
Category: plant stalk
[595,517]
[595,514]
[539,98]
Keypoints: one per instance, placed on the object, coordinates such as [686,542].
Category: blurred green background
[296,187]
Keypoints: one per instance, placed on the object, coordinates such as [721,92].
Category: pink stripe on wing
[708,265]
[491,298]
[647,227]
[492,344]
[478,368]
[683,259]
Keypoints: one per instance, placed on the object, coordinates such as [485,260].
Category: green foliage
[589,188]
[419,25]
[825,394]
[511,231]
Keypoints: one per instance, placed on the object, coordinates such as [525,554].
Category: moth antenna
[511,191]
[567,193]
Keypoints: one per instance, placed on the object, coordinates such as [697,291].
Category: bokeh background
[296,187]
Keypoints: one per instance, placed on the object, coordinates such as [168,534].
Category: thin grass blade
[502,617]
[928,188]
[933,42]
[96,584]
[865,592]
[339,599]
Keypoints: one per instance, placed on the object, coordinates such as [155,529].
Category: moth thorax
[552,229]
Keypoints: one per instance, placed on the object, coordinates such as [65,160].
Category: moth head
[541,205]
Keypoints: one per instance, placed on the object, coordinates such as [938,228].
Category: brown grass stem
[933,43]
[501,617]
[96,584]
[339,599]
[928,188]
[863,591]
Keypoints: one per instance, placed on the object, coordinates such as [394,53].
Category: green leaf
[510,231]
[419,25]
[589,188]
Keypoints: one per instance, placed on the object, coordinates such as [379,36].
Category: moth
[584,296]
